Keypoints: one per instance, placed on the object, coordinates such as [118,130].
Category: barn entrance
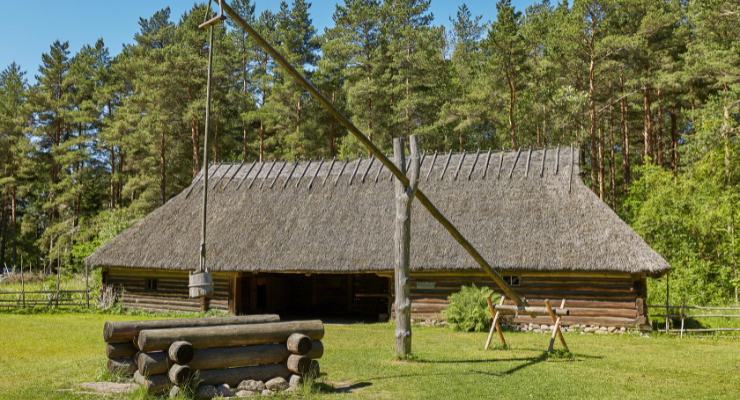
[352,296]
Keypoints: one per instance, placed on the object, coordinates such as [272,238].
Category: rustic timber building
[316,238]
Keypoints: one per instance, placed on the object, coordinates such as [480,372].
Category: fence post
[87,288]
[683,308]
[23,284]
[59,276]
[667,305]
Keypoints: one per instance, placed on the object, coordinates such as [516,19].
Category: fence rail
[684,316]
[45,298]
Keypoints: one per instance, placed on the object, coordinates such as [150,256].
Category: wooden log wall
[171,292]
[594,299]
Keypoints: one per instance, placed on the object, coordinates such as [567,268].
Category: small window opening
[151,284]
[512,280]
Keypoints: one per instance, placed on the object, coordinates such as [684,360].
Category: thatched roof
[520,213]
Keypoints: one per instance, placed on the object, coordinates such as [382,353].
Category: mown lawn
[41,355]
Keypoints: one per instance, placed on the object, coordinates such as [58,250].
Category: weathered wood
[357,167]
[488,160]
[459,165]
[310,183]
[447,164]
[267,175]
[500,165]
[256,175]
[229,335]
[299,344]
[431,167]
[516,159]
[529,159]
[477,154]
[120,349]
[181,375]
[530,309]
[542,167]
[298,364]
[246,174]
[402,240]
[233,376]
[127,330]
[572,162]
[557,161]
[280,171]
[495,324]
[125,366]
[298,182]
[155,384]
[152,363]
[290,175]
[556,328]
[240,356]
[217,181]
[181,352]
[377,174]
[317,350]
[341,171]
[328,173]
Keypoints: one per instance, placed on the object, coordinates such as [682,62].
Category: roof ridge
[223,173]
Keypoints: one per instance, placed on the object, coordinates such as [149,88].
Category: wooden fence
[45,298]
[692,312]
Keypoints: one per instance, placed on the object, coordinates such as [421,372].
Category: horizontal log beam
[233,376]
[530,309]
[127,330]
[229,335]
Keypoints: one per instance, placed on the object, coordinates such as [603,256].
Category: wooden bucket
[201,284]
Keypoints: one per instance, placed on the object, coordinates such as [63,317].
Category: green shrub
[468,309]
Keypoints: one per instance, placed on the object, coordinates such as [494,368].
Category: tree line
[649,91]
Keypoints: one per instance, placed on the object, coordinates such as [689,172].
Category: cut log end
[181,375]
[299,344]
[317,350]
[123,366]
[181,352]
[298,364]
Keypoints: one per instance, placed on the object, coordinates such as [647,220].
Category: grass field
[43,356]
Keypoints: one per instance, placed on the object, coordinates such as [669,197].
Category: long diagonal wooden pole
[423,199]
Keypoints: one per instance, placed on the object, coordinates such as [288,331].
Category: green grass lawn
[41,354]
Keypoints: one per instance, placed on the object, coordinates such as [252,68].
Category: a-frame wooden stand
[556,320]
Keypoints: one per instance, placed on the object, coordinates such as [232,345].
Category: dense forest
[649,90]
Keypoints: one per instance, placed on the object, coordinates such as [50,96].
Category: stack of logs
[213,351]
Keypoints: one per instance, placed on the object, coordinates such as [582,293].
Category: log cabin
[315,238]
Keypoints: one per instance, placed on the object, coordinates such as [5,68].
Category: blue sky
[31,27]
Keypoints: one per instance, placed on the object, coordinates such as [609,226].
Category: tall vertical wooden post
[87,286]
[402,240]
[59,274]
[23,284]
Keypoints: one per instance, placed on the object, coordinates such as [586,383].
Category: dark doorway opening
[360,297]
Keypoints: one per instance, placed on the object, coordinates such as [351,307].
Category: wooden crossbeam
[556,328]
[495,325]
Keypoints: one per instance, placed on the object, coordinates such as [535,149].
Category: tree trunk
[674,143]
[112,203]
[195,138]
[215,141]
[612,172]
[592,116]
[659,138]
[332,151]
[512,100]
[648,145]
[625,136]
[601,166]
[162,168]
